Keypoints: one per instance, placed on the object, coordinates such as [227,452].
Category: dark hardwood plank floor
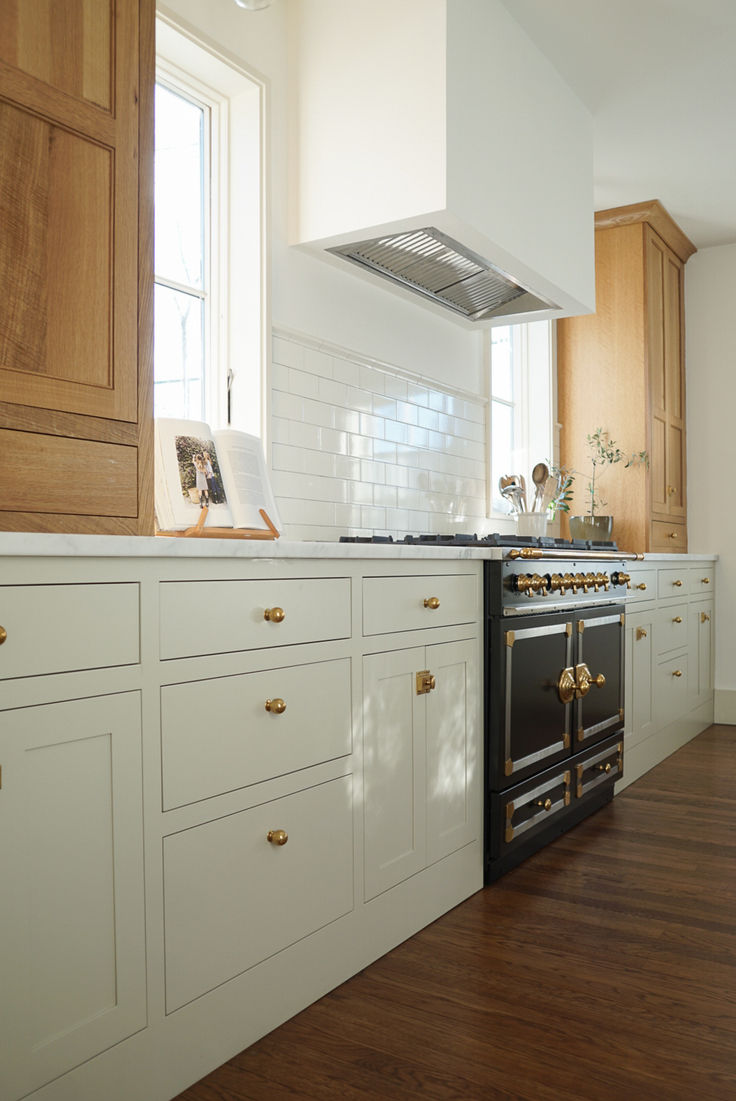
[602,968]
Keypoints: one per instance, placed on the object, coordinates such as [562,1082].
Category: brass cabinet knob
[274,615]
[705,581]
[677,673]
[641,632]
[277,837]
[677,619]
[677,584]
[671,491]
[3,635]
[276,706]
[672,535]
[546,803]
[604,768]
[642,585]
[432,602]
[425,682]
[704,617]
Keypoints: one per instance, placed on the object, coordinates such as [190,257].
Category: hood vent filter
[432,264]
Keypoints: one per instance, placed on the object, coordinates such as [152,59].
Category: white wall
[710,294]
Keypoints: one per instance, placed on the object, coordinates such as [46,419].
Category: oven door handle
[575,683]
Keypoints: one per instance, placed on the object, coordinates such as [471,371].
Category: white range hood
[434,146]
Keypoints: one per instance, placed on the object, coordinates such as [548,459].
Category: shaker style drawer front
[703,580]
[225,733]
[241,888]
[672,583]
[603,765]
[412,603]
[668,537]
[643,585]
[670,626]
[64,628]
[219,617]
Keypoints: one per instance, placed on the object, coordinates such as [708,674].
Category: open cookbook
[223,472]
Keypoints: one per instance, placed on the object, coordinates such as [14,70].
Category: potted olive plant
[603,452]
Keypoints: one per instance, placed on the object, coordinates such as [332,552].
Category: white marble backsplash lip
[54,545]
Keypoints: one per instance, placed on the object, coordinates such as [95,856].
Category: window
[209,278]
[521,403]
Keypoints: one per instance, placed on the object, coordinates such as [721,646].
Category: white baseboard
[725,706]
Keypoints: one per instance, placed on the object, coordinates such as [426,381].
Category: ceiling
[659,77]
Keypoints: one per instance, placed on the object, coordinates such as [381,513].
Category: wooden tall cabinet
[622,369]
[76,208]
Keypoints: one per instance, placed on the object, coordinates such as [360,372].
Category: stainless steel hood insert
[432,264]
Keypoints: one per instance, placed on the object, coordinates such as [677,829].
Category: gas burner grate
[495,539]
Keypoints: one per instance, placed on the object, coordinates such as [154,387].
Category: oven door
[599,664]
[529,725]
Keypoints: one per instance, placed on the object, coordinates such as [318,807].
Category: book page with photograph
[244,471]
[188,476]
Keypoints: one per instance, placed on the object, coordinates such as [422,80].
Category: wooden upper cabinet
[76,262]
[69,135]
[622,369]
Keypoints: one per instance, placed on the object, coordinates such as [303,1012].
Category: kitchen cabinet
[76,183]
[188,796]
[622,369]
[669,659]
[419,731]
[72,956]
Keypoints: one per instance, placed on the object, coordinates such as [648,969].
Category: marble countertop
[32,544]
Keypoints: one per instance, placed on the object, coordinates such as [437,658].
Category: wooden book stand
[199,531]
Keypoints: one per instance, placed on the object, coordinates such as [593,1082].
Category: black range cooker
[554,660]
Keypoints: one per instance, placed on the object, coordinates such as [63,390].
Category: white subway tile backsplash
[358,448]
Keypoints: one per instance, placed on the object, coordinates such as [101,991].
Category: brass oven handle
[276,706]
[274,615]
[3,635]
[566,685]
[277,837]
[432,602]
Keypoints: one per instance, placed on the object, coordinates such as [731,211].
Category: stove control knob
[580,583]
[538,584]
[601,582]
[619,578]
[568,582]
[590,582]
[557,583]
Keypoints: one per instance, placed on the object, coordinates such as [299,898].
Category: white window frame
[237,319]
[533,402]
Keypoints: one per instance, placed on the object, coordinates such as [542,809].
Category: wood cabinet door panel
[672,299]
[655,321]
[67,44]
[675,470]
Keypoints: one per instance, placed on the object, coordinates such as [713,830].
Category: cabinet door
[452,739]
[394,768]
[72,953]
[700,651]
[69,206]
[638,682]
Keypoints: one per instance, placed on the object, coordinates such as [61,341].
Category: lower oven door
[599,663]
[529,725]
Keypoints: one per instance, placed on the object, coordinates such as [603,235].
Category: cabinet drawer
[526,809]
[62,628]
[218,617]
[702,580]
[643,585]
[671,689]
[669,537]
[232,898]
[672,582]
[217,735]
[408,603]
[671,627]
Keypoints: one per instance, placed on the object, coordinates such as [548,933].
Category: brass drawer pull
[672,535]
[274,615]
[432,602]
[546,803]
[604,768]
[677,673]
[277,837]
[642,585]
[641,633]
[677,619]
[704,617]
[3,635]
[705,581]
[276,706]
[677,584]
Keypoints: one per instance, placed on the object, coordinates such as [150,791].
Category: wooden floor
[602,968]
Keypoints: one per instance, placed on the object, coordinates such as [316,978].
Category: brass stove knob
[621,578]
[557,583]
[590,582]
[602,581]
[579,582]
[568,582]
